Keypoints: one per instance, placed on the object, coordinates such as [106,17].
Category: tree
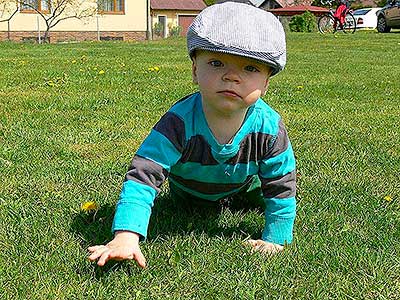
[54,11]
[209,2]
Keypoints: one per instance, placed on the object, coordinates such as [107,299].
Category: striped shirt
[182,148]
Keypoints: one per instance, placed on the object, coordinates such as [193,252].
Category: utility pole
[148,19]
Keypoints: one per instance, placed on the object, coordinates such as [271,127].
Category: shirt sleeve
[278,182]
[149,168]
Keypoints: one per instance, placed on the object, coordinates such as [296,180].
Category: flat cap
[239,29]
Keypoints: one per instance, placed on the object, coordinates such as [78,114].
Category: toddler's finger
[270,249]
[105,256]
[252,242]
[97,252]
[140,259]
[95,248]
[255,244]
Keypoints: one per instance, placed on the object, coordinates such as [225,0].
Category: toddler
[220,142]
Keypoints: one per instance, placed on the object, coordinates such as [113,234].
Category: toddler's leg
[251,196]
[189,202]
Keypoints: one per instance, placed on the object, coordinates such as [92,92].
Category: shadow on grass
[170,217]
[173,217]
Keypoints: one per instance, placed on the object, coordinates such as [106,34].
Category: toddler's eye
[251,69]
[216,63]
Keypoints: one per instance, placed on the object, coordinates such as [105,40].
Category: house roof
[284,3]
[178,4]
[255,3]
[281,3]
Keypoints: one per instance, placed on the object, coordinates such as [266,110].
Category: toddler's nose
[232,74]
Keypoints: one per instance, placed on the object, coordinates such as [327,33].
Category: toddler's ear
[194,70]
[266,86]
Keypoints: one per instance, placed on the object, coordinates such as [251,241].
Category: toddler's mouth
[229,93]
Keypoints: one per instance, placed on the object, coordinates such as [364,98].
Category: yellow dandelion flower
[156,68]
[74,61]
[89,206]
[150,69]
[101,72]
[50,83]
[388,198]
[300,87]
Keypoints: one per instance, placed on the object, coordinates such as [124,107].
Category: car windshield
[360,12]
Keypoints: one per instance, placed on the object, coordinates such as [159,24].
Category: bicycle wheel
[326,24]
[349,25]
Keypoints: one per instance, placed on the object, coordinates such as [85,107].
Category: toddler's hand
[125,245]
[264,247]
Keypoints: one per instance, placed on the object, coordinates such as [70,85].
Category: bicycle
[331,23]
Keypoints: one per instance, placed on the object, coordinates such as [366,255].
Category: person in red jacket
[340,13]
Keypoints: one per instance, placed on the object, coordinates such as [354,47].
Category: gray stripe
[252,148]
[280,187]
[198,150]
[280,143]
[145,171]
[173,128]
[209,188]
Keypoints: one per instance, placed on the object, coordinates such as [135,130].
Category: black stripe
[209,188]
[280,187]
[198,150]
[280,143]
[173,128]
[253,147]
[145,171]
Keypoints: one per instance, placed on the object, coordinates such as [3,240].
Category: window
[111,6]
[30,6]
[360,12]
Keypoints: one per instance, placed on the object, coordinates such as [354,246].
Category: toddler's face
[229,83]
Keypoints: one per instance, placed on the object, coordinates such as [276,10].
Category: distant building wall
[129,25]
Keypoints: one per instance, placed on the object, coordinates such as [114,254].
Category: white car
[366,17]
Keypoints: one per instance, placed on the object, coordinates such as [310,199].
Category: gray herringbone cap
[239,29]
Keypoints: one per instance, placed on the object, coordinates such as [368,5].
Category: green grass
[67,134]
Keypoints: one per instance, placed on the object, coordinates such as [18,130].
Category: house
[111,20]
[168,15]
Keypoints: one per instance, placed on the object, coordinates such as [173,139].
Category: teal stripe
[216,173]
[283,208]
[159,149]
[279,220]
[132,190]
[268,120]
[278,230]
[134,208]
[279,165]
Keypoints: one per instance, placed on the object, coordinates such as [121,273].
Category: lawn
[72,116]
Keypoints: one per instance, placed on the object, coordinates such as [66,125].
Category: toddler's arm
[278,182]
[124,246]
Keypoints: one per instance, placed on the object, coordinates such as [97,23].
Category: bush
[175,31]
[158,29]
[303,23]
